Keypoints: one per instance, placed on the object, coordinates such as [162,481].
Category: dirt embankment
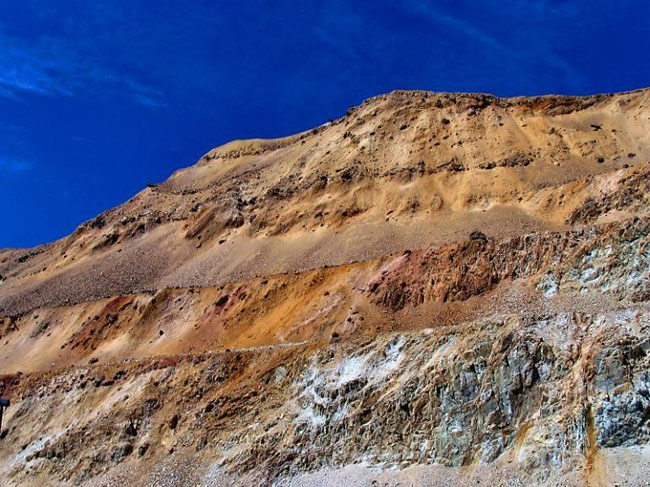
[436,289]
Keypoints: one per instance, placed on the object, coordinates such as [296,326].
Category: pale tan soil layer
[404,170]
[436,289]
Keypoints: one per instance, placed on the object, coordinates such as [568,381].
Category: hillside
[435,289]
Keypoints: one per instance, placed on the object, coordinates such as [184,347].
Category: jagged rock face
[546,391]
[614,259]
[437,289]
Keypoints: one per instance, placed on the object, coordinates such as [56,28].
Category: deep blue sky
[98,98]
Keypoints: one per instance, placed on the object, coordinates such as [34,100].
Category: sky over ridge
[99,98]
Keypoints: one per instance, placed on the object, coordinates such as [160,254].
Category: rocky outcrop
[401,171]
[435,289]
[546,391]
[614,258]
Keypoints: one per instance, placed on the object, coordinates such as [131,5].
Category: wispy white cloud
[30,69]
[441,16]
[147,101]
[518,46]
[14,166]
[51,67]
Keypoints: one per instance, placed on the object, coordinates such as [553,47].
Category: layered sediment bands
[527,387]
[613,258]
[434,290]
[552,271]
[632,193]
[401,171]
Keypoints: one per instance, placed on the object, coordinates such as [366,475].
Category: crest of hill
[404,170]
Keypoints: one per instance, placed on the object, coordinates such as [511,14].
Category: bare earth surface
[434,290]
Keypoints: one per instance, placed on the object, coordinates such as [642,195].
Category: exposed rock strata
[435,289]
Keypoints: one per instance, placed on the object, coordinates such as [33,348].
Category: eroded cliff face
[547,393]
[401,171]
[479,318]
